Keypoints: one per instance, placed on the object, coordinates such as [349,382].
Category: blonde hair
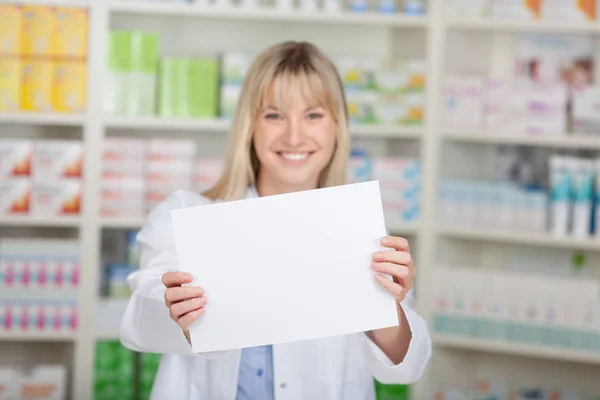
[272,73]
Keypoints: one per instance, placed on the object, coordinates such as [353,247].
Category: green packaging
[391,392]
[168,87]
[144,64]
[118,70]
[114,371]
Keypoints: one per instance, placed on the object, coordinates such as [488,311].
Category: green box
[391,392]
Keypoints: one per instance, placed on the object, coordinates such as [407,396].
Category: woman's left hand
[396,262]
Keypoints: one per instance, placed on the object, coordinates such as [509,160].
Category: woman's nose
[294,134]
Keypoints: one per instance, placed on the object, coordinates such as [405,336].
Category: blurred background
[480,118]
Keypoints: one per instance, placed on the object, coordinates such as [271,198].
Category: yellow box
[68,93]
[37,85]
[11,27]
[70,32]
[10,83]
[38,26]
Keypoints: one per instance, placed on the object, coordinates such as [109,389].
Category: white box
[124,148]
[586,109]
[467,8]
[15,196]
[123,197]
[170,149]
[15,158]
[57,159]
[462,104]
[571,10]
[505,123]
[506,94]
[51,380]
[514,9]
[56,197]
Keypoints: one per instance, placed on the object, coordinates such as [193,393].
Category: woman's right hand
[185,303]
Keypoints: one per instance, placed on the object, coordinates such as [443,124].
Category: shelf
[26,220]
[589,142]
[521,237]
[517,349]
[267,14]
[42,119]
[17,336]
[497,25]
[56,3]
[145,124]
[122,223]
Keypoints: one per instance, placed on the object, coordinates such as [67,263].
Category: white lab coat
[326,369]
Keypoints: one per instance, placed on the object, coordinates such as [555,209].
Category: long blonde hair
[272,72]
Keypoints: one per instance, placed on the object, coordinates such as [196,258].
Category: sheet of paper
[285,268]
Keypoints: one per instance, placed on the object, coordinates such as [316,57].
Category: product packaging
[69,93]
[203,88]
[38,30]
[70,32]
[37,85]
[11,29]
[586,109]
[15,158]
[118,73]
[516,9]
[15,196]
[467,8]
[561,187]
[122,197]
[462,104]
[571,10]
[56,197]
[57,159]
[10,83]
[144,64]
[583,192]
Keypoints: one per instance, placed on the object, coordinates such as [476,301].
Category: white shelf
[521,237]
[517,349]
[578,141]
[58,3]
[267,14]
[49,119]
[496,25]
[17,336]
[122,223]
[25,220]
[145,124]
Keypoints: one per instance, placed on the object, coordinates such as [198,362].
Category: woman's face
[293,145]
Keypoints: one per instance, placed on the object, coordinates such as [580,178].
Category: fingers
[393,256]
[183,307]
[394,242]
[188,319]
[401,272]
[171,279]
[393,288]
[179,293]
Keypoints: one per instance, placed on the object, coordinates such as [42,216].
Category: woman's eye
[315,115]
[274,116]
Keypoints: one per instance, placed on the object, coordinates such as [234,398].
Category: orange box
[38,27]
[11,29]
[37,85]
[70,34]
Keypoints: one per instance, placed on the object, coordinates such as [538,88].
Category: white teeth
[294,156]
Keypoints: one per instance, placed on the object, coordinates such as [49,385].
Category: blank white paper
[285,268]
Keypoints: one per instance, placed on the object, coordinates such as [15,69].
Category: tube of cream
[560,194]
[583,190]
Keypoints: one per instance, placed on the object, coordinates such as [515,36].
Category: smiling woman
[290,133]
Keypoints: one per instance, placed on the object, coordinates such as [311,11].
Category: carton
[122,196]
[203,80]
[15,158]
[57,159]
[15,196]
[70,32]
[38,29]
[517,9]
[69,94]
[56,197]
[118,73]
[11,29]
[11,72]
[141,94]
[37,85]
[571,10]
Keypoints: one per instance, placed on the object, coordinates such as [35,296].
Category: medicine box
[56,197]
[516,9]
[586,109]
[56,159]
[37,85]
[69,94]
[571,10]
[70,32]
[38,30]
[15,196]
[11,29]
[15,158]
[11,71]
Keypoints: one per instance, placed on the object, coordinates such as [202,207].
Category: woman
[290,133]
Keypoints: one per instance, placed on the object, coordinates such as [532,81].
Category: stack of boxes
[38,279]
[38,382]
[40,178]
[114,371]
[42,58]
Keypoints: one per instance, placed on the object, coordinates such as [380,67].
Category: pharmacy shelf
[571,141]
[48,119]
[122,223]
[521,237]
[267,14]
[57,3]
[494,25]
[516,349]
[145,124]
[37,336]
[30,221]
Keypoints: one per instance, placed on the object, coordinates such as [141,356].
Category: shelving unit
[363,35]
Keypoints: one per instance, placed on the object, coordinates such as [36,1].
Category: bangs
[288,86]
